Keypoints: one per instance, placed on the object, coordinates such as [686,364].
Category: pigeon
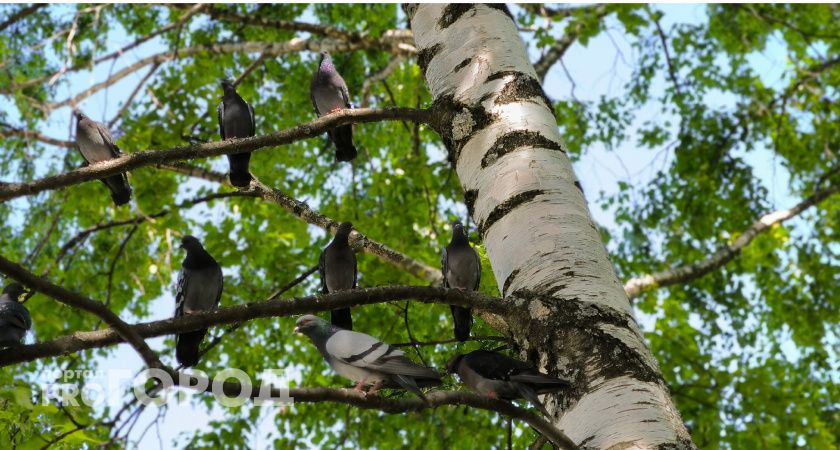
[328,92]
[461,269]
[199,289]
[95,143]
[236,120]
[14,318]
[337,267]
[501,377]
[365,359]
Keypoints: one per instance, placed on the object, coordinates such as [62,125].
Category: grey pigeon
[14,318]
[329,93]
[337,267]
[365,359]
[501,377]
[199,289]
[95,143]
[461,269]
[236,120]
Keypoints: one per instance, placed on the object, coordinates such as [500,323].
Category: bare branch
[300,209]
[358,241]
[12,131]
[20,15]
[376,77]
[556,52]
[256,20]
[134,93]
[396,406]
[635,286]
[140,159]
[84,340]
[78,301]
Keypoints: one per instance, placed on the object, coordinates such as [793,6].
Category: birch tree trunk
[573,317]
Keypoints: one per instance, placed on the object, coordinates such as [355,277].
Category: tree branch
[21,14]
[396,406]
[78,301]
[635,286]
[358,241]
[556,52]
[84,340]
[12,131]
[146,158]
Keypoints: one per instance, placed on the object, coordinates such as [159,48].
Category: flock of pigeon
[357,356]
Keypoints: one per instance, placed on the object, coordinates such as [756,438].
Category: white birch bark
[544,248]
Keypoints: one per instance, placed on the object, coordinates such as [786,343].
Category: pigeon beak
[296,330]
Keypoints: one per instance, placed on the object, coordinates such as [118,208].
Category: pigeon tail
[342,318]
[187,346]
[529,394]
[342,137]
[120,189]
[463,322]
[239,174]
[409,384]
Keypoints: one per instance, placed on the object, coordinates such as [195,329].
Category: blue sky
[601,68]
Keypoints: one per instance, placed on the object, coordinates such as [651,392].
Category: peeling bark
[570,313]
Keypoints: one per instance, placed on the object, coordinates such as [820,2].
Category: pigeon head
[325,64]
[227,85]
[458,232]
[14,290]
[344,229]
[453,363]
[310,325]
[78,114]
[190,243]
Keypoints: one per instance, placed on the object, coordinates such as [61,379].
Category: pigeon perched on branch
[329,93]
[236,120]
[199,289]
[461,269]
[501,377]
[365,359]
[337,267]
[14,317]
[96,144]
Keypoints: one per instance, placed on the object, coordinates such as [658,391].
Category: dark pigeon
[365,359]
[328,93]
[337,267]
[461,268]
[199,289]
[501,377]
[236,120]
[14,318]
[95,143]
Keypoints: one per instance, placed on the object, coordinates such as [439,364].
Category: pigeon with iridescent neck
[199,289]
[96,144]
[329,93]
[461,269]
[236,120]
[501,377]
[364,359]
[337,267]
[14,317]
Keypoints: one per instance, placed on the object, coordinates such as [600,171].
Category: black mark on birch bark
[515,140]
[462,64]
[424,57]
[593,353]
[521,87]
[509,280]
[456,123]
[507,206]
[452,12]
[469,199]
